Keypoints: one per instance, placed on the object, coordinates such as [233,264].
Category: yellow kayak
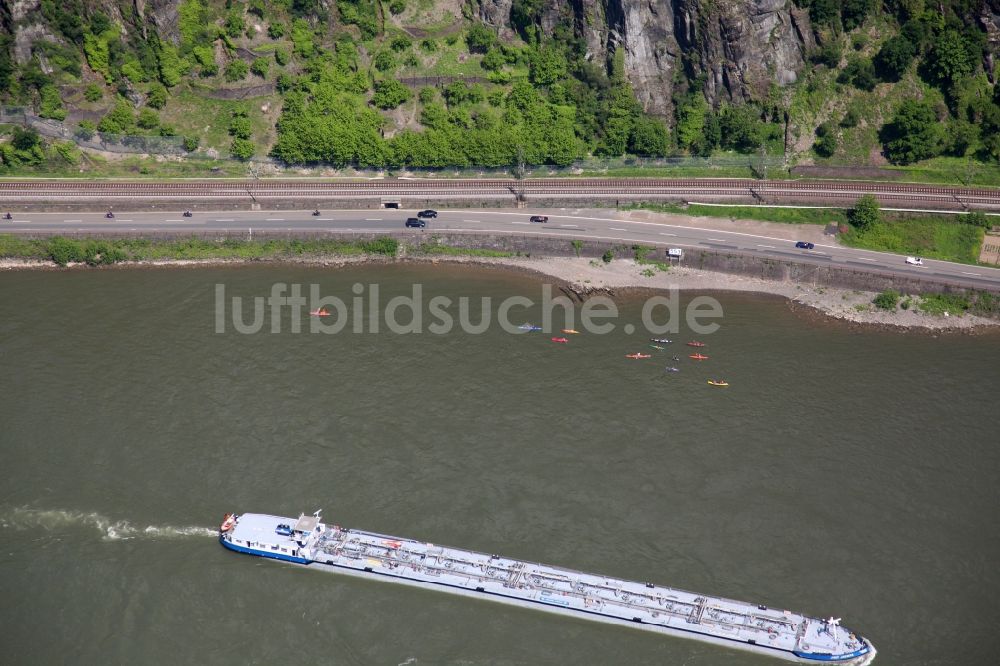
[570,330]
[718,382]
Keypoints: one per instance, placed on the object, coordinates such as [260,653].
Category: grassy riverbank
[784,215]
[936,236]
[103,252]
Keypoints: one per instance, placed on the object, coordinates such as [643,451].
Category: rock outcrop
[736,48]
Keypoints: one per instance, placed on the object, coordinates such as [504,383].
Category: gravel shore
[585,275]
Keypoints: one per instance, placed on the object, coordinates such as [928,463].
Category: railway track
[774,191]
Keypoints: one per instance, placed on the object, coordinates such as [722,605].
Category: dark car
[804,245]
[427,213]
[416,222]
[539,218]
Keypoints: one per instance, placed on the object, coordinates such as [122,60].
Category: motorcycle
[316,213]
[187,213]
[109,215]
[8,216]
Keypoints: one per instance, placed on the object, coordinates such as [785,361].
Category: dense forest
[431,84]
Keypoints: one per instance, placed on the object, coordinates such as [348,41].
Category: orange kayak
[699,357]
[638,356]
[695,343]
[562,340]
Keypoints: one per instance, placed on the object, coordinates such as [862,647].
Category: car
[283,529]
[915,261]
[416,222]
[427,213]
[539,218]
[804,245]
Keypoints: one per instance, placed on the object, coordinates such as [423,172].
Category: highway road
[583,224]
[144,194]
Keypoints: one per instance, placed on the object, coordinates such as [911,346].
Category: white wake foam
[23,518]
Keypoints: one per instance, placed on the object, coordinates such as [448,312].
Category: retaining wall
[731,261]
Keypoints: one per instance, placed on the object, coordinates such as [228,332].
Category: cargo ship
[735,624]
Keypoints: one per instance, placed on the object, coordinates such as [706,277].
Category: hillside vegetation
[424,84]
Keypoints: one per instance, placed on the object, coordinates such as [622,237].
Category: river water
[841,473]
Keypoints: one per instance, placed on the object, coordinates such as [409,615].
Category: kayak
[562,340]
[672,369]
[718,382]
[662,341]
[529,327]
[638,356]
[319,313]
[658,347]
[696,344]
[699,357]
[570,330]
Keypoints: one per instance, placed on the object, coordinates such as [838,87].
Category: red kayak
[695,343]
[319,313]
[638,356]
[699,357]
[562,340]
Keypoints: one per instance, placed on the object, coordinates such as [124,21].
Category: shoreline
[584,276]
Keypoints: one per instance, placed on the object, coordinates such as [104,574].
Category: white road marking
[964,273]
[226,220]
[520,223]
[72,221]
[866,259]
[275,219]
[473,221]
[767,246]
[574,226]
[716,240]
[373,219]
[666,234]
[124,220]
[325,219]
[616,229]
[171,220]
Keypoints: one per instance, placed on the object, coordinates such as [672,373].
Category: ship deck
[645,604]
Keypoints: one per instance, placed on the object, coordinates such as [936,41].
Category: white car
[915,261]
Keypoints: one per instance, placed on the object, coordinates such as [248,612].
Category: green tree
[691,121]
[480,38]
[741,128]
[276,30]
[650,137]
[93,93]
[950,58]
[157,97]
[260,67]
[390,93]
[281,57]
[397,7]
[866,213]
[887,300]
[240,127]
[860,72]
[119,120]
[427,95]
[235,24]
[148,119]
[236,70]
[826,142]
[51,103]
[894,57]
[242,149]
[400,43]
[547,65]
[494,60]
[25,139]
[384,61]
[914,133]
[854,12]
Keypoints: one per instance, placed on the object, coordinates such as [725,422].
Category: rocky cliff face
[737,47]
